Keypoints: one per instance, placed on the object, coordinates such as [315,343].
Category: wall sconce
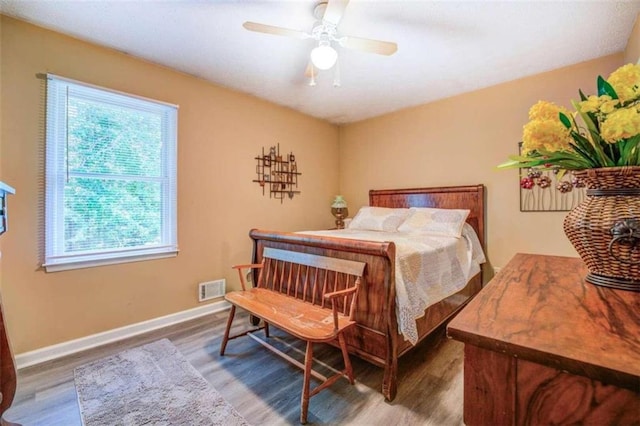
[339,210]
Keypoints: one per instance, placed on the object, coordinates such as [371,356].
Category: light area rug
[149,385]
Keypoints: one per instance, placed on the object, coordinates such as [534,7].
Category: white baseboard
[59,350]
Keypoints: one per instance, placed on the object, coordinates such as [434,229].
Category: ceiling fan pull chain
[336,74]
[312,81]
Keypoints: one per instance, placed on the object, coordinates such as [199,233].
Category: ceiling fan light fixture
[324,56]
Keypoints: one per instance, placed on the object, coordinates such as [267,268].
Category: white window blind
[110,177]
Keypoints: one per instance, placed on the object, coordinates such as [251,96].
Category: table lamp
[339,210]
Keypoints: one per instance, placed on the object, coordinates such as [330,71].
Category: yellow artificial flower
[592,104]
[626,82]
[598,104]
[545,135]
[607,107]
[622,123]
[544,110]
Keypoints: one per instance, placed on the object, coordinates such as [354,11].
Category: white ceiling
[444,47]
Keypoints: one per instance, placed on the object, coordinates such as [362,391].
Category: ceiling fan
[324,31]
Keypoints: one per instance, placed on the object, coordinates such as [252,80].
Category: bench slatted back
[309,277]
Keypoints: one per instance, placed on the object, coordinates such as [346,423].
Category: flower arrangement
[607,136]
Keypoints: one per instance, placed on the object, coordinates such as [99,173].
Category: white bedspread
[428,268]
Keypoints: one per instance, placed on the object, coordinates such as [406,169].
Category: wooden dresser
[542,346]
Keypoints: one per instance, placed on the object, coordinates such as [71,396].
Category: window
[110,177]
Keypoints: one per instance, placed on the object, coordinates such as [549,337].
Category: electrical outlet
[211,289]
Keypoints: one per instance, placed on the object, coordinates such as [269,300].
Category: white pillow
[445,222]
[378,219]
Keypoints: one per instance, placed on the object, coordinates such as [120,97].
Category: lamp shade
[339,203]
[324,56]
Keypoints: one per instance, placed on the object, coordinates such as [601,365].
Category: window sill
[80,264]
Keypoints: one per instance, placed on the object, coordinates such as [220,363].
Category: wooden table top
[540,308]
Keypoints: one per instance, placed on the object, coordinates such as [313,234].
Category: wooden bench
[310,297]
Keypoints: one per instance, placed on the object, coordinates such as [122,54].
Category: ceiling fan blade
[334,11]
[270,29]
[367,45]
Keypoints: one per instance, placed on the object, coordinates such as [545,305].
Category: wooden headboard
[446,197]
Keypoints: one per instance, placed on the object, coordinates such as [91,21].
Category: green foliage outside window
[111,200]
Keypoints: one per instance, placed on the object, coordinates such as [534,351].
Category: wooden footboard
[375,338]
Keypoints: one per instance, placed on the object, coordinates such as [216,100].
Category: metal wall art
[542,190]
[277,173]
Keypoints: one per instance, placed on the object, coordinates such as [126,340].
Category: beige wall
[632,51]
[459,141]
[220,132]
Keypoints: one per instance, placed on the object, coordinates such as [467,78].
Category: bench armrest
[248,266]
[343,293]
[251,265]
[339,293]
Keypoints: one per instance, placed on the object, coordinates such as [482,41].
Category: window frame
[56,258]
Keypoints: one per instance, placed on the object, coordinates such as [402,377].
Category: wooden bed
[375,337]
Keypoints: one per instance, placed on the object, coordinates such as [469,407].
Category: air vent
[211,290]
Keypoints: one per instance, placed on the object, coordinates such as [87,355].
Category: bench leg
[266,329]
[225,339]
[304,403]
[345,355]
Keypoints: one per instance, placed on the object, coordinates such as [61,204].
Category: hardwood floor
[264,388]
